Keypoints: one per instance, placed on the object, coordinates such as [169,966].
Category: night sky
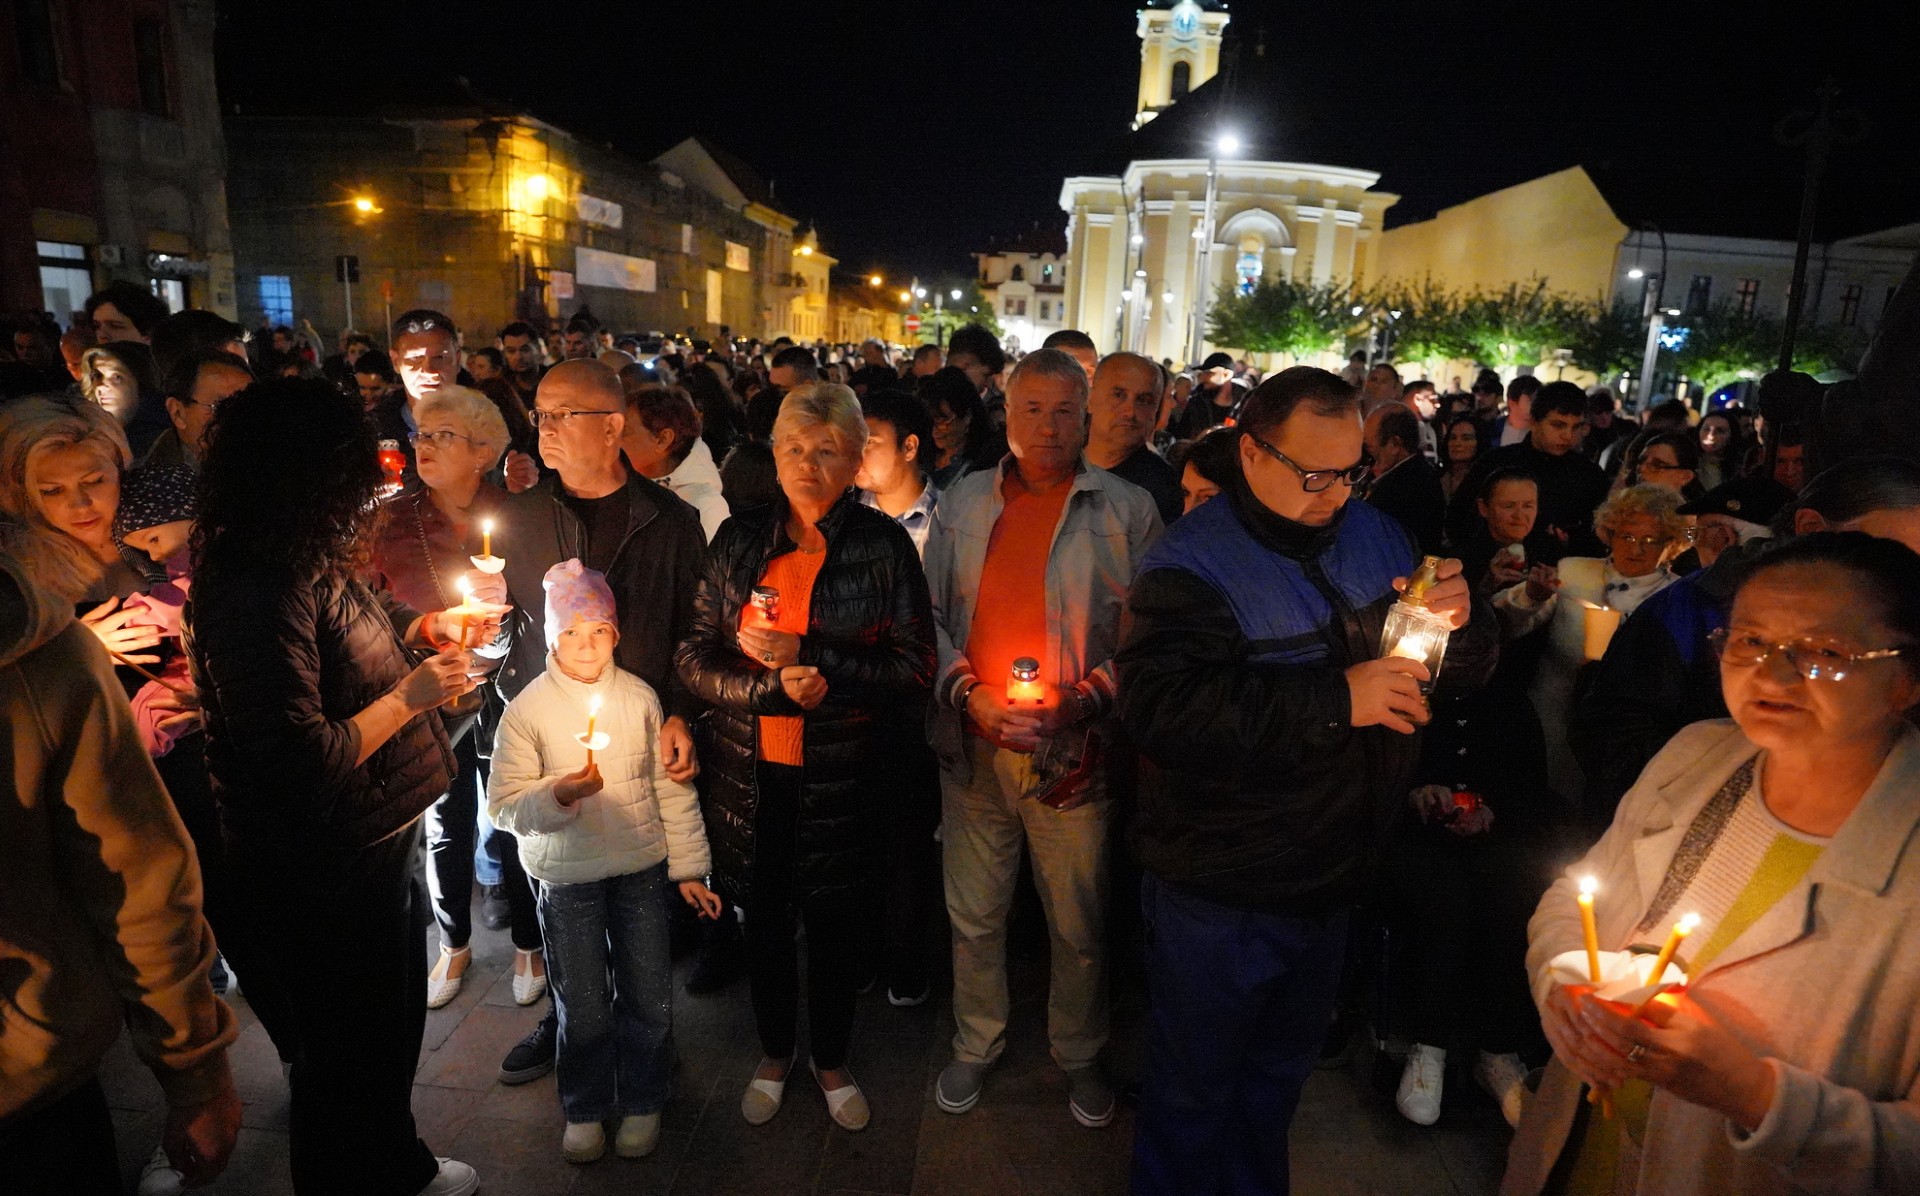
[911,133]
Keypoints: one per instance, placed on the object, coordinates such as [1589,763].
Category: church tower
[1179,50]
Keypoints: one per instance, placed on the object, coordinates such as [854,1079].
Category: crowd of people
[775,649]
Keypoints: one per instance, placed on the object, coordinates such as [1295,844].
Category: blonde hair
[474,411]
[90,370]
[1662,503]
[826,404]
[30,429]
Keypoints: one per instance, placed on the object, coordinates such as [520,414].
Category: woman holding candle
[325,746]
[1789,1064]
[1642,528]
[422,553]
[799,724]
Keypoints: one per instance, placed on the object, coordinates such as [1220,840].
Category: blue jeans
[612,982]
[1240,1006]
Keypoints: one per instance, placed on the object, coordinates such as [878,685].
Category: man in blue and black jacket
[1277,751]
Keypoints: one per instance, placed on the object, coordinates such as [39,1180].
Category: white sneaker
[1505,1079]
[158,1178]
[527,986]
[584,1141]
[1420,1084]
[637,1136]
[455,1179]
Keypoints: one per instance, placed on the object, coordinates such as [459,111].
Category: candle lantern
[1024,685]
[766,606]
[1415,631]
[393,463]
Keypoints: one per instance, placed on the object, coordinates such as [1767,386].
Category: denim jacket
[1105,529]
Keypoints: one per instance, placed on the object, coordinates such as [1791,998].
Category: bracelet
[1085,701]
[964,692]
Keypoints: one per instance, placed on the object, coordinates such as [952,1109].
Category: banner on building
[562,283]
[686,238]
[714,315]
[598,268]
[738,256]
[603,213]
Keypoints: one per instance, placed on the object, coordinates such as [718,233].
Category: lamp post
[1655,324]
[1650,310]
[1229,145]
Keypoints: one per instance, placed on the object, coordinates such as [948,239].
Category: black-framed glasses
[559,415]
[442,439]
[1313,481]
[1812,658]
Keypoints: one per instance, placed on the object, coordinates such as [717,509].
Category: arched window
[1182,79]
[1019,274]
[1046,272]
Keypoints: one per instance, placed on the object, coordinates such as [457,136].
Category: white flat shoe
[584,1141]
[442,985]
[846,1105]
[762,1099]
[637,1136]
[527,986]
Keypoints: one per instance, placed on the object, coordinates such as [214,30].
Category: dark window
[1182,79]
[1699,293]
[1749,293]
[39,52]
[1019,274]
[150,63]
[1850,304]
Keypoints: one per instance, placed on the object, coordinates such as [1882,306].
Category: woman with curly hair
[325,748]
[1643,529]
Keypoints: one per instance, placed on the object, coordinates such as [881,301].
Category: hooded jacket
[100,918]
[696,481]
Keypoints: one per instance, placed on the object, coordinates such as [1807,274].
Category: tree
[1722,344]
[1281,316]
[1426,327]
[1508,328]
[1603,338]
[937,324]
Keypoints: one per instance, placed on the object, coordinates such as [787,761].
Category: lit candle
[1024,685]
[1587,928]
[1601,623]
[486,537]
[1681,930]
[593,713]
[464,610]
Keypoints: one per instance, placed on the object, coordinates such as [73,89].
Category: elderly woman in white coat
[1642,528]
[578,778]
[1792,1063]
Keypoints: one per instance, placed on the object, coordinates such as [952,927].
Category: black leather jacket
[283,663]
[869,632]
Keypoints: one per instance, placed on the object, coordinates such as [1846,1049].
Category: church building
[1209,190]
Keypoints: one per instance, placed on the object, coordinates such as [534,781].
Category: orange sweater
[783,737]
[1010,615]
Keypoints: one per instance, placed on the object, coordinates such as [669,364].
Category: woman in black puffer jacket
[803,699]
[324,749]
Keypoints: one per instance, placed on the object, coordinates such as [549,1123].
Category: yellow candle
[486,537]
[593,713]
[466,601]
[1681,930]
[1587,928]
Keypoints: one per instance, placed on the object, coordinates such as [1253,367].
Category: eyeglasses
[1813,659]
[559,416]
[444,438]
[414,327]
[1661,467]
[1654,541]
[1313,481]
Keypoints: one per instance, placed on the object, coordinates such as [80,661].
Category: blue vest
[1281,610]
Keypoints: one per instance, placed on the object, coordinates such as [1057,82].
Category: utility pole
[1819,131]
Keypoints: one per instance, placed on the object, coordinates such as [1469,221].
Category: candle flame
[1589,886]
[593,705]
[1688,924]
[486,525]
[465,587]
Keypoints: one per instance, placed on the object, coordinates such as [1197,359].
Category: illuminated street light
[906,296]
[1636,273]
[1139,239]
[1358,308]
[921,292]
[806,251]
[954,293]
[1229,143]
[874,280]
[363,204]
[539,186]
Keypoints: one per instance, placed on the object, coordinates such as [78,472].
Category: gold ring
[1638,1052]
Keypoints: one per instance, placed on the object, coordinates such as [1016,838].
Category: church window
[1247,272]
[1019,274]
[1182,79]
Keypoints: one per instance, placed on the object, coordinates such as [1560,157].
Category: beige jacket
[99,888]
[1825,986]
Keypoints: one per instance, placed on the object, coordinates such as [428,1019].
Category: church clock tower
[1179,50]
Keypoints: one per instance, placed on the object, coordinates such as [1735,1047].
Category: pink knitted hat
[576,594]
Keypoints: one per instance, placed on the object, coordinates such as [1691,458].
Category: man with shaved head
[645,540]
[1124,409]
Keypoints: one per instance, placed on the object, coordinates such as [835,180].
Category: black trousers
[836,938]
[349,953]
[64,1148]
[910,877]
[236,929]
[1460,906]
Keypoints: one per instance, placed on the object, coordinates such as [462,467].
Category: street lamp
[1226,143]
[364,204]
[906,296]
[954,294]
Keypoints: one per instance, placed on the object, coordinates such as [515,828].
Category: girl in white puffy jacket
[604,834]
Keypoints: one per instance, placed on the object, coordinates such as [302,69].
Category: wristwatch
[1085,701]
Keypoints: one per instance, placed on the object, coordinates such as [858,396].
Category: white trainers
[584,1141]
[528,986]
[158,1178]
[1420,1084]
[1505,1079]
[455,1179]
[637,1136]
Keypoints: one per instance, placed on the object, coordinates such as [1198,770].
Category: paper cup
[596,742]
[489,564]
[1623,976]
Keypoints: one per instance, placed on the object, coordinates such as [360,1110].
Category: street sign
[346,268]
[913,323]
